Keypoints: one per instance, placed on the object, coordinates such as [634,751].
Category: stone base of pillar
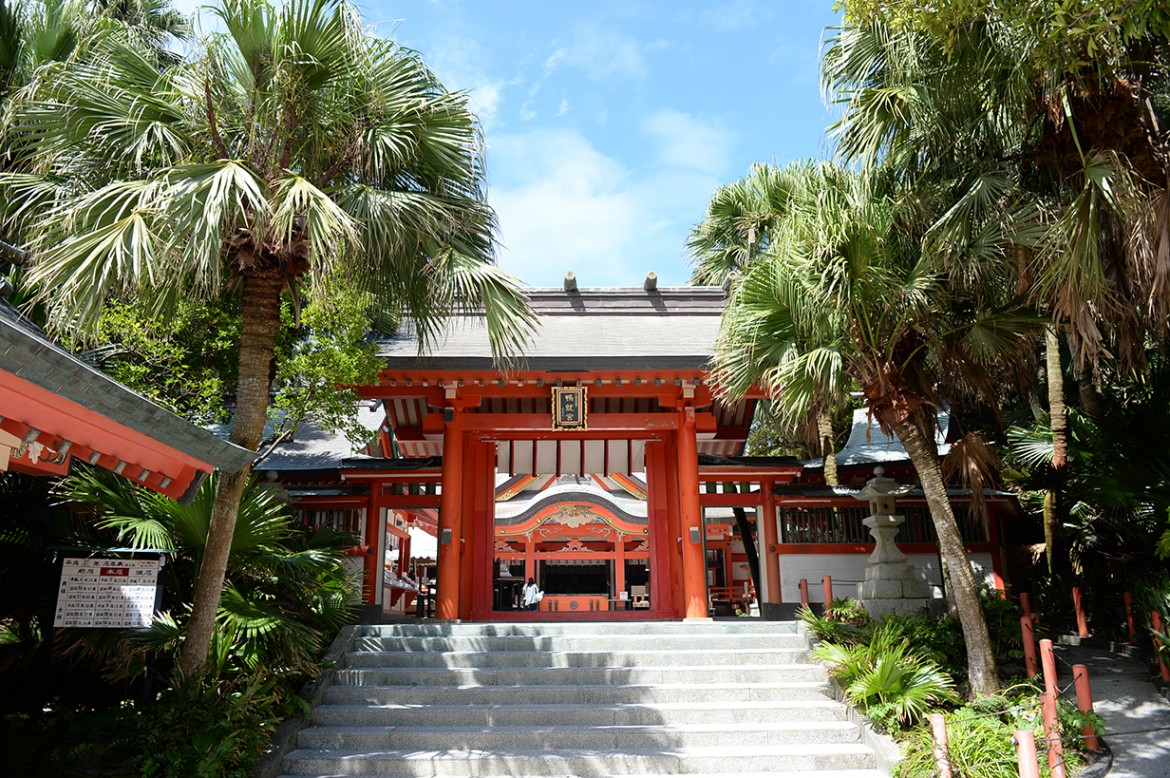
[890,585]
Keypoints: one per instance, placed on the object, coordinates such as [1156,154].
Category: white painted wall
[848,571]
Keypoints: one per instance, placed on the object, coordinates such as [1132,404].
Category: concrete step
[578,642]
[600,738]
[772,774]
[506,715]
[580,699]
[795,759]
[585,676]
[475,694]
[521,659]
[553,629]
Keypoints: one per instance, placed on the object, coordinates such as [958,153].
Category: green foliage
[1003,623]
[211,726]
[1065,36]
[824,628]
[185,361]
[288,593]
[335,352]
[886,679]
[980,736]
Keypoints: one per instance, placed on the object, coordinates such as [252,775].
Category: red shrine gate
[648,422]
[613,390]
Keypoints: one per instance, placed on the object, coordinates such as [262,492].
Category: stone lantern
[890,585]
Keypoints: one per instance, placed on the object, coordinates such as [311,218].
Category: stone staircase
[580,699]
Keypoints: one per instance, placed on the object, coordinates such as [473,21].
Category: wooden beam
[631,425]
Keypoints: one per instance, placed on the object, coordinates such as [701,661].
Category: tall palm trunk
[923,453]
[1058,415]
[828,450]
[260,314]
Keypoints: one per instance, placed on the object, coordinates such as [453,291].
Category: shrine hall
[602,465]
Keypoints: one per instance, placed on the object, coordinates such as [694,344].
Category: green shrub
[1003,623]
[885,679]
[211,726]
[979,737]
[826,629]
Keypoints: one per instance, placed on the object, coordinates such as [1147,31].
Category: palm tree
[739,225]
[293,147]
[845,293]
[1044,135]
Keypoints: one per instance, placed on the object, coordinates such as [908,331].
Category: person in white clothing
[532,595]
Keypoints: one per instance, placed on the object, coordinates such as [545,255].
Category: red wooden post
[827,584]
[1026,604]
[942,759]
[804,592]
[1079,607]
[1127,598]
[1048,709]
[1085,703]
[1156,622]
[1029,636]
[1026,754]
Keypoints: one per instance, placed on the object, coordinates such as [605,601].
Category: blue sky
[609,123]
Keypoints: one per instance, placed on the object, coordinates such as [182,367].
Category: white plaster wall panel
[848,571]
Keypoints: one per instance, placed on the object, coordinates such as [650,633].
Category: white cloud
[603,54]
[564,109]
[688,142]
[568,210]
[568,207]
[484,101]
[736,15]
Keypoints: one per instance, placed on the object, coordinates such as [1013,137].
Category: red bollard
[1026,754]
[1079,607]
[1156,622]
[1085,703]
[827,583]
[1026,604]
[1029,636]
[804,592]
[1127,598]
[1048,709]
[942,759]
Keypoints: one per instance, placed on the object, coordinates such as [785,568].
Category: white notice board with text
[112,593]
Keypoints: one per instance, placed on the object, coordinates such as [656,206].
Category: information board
[113,593]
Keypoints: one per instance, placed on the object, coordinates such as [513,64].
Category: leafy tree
[292,147]
[185,362]
[1042,127]
[846,294]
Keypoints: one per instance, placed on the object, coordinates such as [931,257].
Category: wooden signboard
[570,407]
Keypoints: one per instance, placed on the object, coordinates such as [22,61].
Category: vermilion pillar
[661,541]
[373,541]
[766,529]
[468,528]
[482,553]
[450,524]
[694,563]
[673,551]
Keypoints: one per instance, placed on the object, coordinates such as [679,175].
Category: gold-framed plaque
[570,407]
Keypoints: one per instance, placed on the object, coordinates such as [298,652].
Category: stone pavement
[1137,716]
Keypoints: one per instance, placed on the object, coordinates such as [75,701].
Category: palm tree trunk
[828,450]
[1058,416]
[260,314]
[923,453]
